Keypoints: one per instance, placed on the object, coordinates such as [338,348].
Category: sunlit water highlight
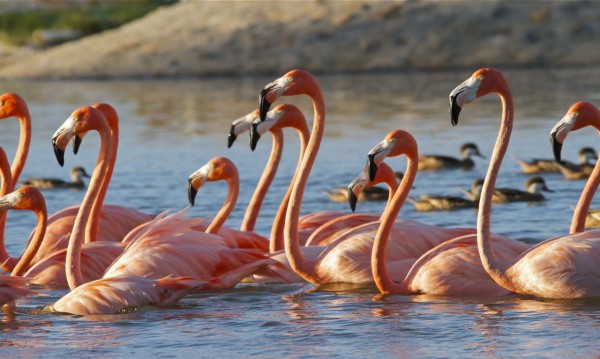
[170,128]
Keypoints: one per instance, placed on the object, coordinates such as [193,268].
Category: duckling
[428,203]
[533,186]
[436,162]
[586,156]
[76,174]
[368,193]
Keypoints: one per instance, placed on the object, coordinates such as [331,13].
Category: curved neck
[233,183]
[378,255]
[22,149]
[276,242]
[34,244]
[492,266]
[93,227]
[585,200]
[291,241]
[264,183]
[6,188]
[72,265]
[392,184]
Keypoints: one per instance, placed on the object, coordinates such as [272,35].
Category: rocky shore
[210,38]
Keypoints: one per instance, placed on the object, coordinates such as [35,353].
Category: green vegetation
[17,27]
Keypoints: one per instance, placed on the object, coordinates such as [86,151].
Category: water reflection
[170,128]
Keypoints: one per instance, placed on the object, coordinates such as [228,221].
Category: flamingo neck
[233,183]
[9,262]
[277,236]
[291,241]
[492,266]
[73,263]
[392,184]
[93,227]
[35,243]
[264,183]
[378,255]
[585,200]
[22,149]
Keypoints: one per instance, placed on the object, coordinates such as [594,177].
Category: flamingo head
[24,198]
[76,127]
[481,83]
[271,121]
[219,168]
[240,126]
[12,105]
[356,187]
[295,82]
[579,115]
[396,143]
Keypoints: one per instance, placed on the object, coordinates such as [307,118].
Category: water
[170,128]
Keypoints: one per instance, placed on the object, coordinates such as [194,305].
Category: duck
[76,174]
[373,193]
[587,159]
[437,162]
[428,203]
[533,187]
[581,170]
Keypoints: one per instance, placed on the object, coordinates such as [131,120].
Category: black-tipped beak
[191,193]
[556,146]
[254,136]
[59,153]
[547,189]
[264,104]
[352,199]
[76,144]
[232,137]
[372,166]
[454,110]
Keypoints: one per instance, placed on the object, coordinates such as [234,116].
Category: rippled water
[170,128]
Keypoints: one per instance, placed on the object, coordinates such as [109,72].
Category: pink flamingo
[284,116]
[13,105]
[169,245]
[221,168]
[562,267]
[13,288]
[345,260]
[331,230]
[115,221]
[450,268]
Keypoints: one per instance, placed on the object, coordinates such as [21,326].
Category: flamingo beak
[372,166]
[191,192]
[76,143]
[352,199]
[254,136]
[454,109]
[232,136]
[58,152]
[556,146]
[264,103]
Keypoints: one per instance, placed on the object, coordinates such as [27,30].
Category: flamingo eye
[575,114]
[1,103]
[480,78]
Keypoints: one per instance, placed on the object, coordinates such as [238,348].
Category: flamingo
[346,260]
[13,288]
[451,267]
[221,168]
[167,246]
[13,105]
[331,230]
[561,267]
[115,221]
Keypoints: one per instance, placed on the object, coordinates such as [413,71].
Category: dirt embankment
[197,38]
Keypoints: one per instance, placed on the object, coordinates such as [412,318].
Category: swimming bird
[534,186]
[436,162]
[582,170]
[76,173]
[561,267]
[371,193]
[586,156]
[348,259]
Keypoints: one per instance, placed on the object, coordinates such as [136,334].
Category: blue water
[171,128]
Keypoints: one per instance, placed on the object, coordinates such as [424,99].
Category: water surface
[170,128]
